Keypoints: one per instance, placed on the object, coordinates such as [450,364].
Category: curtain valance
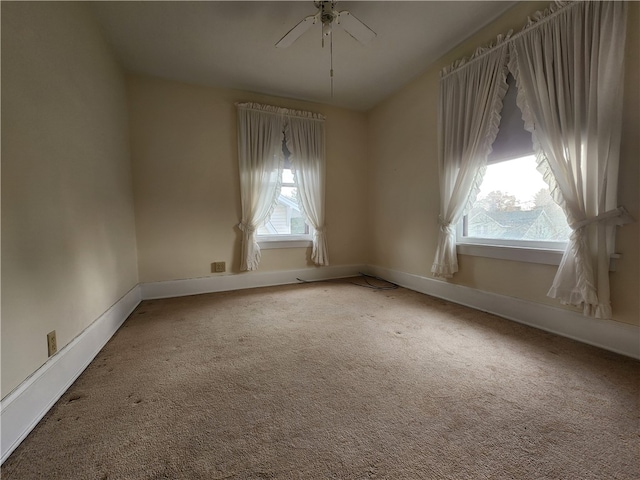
[285,112]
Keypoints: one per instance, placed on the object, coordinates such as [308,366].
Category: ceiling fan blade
[295,33]
[355,27]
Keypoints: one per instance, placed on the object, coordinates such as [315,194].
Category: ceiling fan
[328,16]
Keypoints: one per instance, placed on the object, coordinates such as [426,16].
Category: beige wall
[68,236]
[404,177]
[186,183]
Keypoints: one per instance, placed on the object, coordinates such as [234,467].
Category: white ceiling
[231,44]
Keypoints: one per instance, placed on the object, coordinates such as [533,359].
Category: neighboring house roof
[540,223]
[289,202]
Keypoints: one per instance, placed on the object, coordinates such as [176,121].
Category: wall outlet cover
[218,267]
[52,343]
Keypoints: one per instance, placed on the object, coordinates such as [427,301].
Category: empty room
[346,240]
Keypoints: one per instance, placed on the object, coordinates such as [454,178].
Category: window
[264,131]
[514,208]
[570,94]
[286,227]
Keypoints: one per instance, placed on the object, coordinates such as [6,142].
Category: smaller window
[286,219]
[286,227]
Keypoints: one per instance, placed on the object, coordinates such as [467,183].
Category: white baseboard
[222,283]
[24,407]
[607,334]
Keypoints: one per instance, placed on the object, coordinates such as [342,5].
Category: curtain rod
[561,6]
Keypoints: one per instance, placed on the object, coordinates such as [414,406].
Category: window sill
[518,254]
[284,241]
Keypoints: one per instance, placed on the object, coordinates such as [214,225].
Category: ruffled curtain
[305,141]
[260,159]
[261,129]
[569,72]
[469,116]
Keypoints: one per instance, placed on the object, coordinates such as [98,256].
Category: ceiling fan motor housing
[328,14]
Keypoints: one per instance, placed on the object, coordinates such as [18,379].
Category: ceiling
[232,44]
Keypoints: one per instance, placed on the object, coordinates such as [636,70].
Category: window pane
[290,192]
[287,175]
[514,203]
[286,219]
[298,225]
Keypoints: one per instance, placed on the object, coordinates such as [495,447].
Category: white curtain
[261,129]
[569,72]
[305,141]
[260,158]
[470,105]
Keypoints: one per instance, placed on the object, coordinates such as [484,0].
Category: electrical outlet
[52,344]
[218,267]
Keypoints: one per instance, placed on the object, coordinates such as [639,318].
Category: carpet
[330,380]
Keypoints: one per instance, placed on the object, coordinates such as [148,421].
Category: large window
[514,216]
[569,67]
[514,208]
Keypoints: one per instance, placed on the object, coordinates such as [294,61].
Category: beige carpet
[335,381]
